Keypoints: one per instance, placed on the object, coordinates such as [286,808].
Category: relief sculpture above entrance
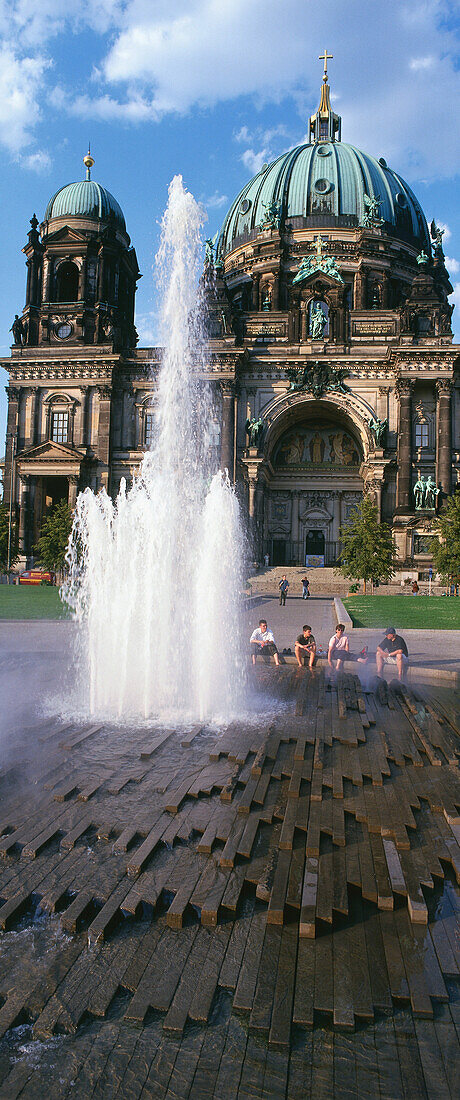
[317,445]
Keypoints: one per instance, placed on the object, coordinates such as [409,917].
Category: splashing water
[155,578]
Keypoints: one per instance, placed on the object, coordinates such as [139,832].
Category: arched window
[67,282]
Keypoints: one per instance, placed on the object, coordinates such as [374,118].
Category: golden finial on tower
[88,161]
[325,57]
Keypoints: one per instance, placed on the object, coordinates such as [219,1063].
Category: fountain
[155,578]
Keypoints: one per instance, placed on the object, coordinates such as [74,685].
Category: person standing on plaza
[338,649]
[305,588]
[262,642]
[283,587]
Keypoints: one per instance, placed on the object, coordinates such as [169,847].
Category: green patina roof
[345,175]
[85,199]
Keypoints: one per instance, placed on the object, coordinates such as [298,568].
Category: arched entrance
[313,479]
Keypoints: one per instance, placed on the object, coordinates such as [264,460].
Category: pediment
[49,451]
[68,234]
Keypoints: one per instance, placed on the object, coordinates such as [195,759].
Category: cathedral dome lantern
[327,183]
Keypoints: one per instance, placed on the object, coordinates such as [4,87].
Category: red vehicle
[37,576]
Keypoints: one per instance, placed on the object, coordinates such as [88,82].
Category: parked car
[37,576]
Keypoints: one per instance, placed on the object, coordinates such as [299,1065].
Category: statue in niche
[267,300]
[254,428]
[431,493]
[419,493]
[316,448]
[318,321]
[17,328]
[379,429]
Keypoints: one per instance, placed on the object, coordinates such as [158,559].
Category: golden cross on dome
[317,244]
[325,57]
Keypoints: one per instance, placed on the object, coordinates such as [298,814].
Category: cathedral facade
[330,350]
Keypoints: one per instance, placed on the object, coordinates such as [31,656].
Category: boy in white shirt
[262,642]
[338,648]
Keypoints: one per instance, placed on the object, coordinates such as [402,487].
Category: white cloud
[393,65]
[20,81]
[421,63]
[147,328]
[103,108]
[446,231]
[215,201]
[37,162]
[455,301]
[255,161]
[453,266]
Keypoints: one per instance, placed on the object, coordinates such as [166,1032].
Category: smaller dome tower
[82,270]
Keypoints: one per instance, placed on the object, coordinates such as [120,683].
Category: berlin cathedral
[330,350]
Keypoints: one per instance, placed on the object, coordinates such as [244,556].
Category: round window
[63,330]
[383,162]
[244,206]
[401,199]
[324,151]
[322,186]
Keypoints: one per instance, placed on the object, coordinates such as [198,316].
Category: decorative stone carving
[318,378]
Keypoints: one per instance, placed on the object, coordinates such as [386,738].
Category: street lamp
[12,436]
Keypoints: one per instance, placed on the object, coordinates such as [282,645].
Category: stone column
[276,293]
[11,438]
[295,524]
[255,292]
[84,390]
[404,390]
[103,435]
[73,485]
[23,501]
[303,323]
[226,444]
[444,435]
[31,436]
[46,280]
[358,291]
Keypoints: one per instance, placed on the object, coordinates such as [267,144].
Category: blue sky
[212,89]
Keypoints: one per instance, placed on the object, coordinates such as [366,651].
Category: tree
[5,536]
[446,547]
[367,545]
[54,536]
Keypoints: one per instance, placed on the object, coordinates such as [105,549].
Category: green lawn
[30,602]
[435,612]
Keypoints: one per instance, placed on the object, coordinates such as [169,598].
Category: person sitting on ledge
[262,642]
[339,648]
[392,651]
[305,647]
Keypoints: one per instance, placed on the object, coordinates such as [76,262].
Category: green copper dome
[327,183]
[85,199]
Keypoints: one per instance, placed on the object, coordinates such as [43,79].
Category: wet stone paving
[268,911]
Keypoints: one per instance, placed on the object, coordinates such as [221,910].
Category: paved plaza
[268,909]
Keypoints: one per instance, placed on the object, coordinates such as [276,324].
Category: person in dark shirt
[305,647]
[283,587]
[392,651]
